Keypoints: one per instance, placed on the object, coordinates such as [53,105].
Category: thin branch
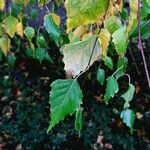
[98,34]
[141,46]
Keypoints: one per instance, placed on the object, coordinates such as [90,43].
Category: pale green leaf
[101,76]
[77,55]
[65,99]
[112,24]
[120,40]
[128,96]
[83,12]
[10,24]
[29,33]
[128,117]
[108,62]
[111,89]
[148,2]
[41,41]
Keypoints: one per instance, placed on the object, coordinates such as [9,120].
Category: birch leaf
[2,5]
[77,55]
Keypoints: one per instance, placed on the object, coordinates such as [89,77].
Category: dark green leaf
[101,76]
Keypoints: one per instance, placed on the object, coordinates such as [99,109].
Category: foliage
[94,33]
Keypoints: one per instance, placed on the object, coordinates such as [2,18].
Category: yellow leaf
[5,45]
[19,29]
[104,39]
[83,12]
[2,5]
[115,6]
[133,14]
[56,19]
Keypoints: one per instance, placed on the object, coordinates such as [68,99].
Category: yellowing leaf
[10,24]
[115,6]
[56,19]
[19,29]
[83,12]
[104,38]
[2,4]
[77,55]
[43,2]
[5,44]
[133,14]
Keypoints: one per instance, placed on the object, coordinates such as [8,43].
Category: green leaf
[128,117]
[83,12]
[30,52]
[78,121]
[29,33]
[53,30]
[101,76]
[11,60]
[112,24]
[111,88]
[42,54]
[148,2]
[108,62]
[120,40]
[41,41]
[10,24]
[128,96]
[77,55]
[65,99]
[122,64]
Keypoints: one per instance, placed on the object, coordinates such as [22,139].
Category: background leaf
[128,117]
[101,76]
[111,88]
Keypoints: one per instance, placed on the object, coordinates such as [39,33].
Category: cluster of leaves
[95,32]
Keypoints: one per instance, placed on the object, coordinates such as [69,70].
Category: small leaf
[11,60]
[108,62]
[128,117]
[52,28]
[121,63]
[101,76]
[78,121]
[77,55]
[41,41]
[19,29]
[112,24]
[65,99]
[120,40]
[5,45]
[2,5]
[104,39]
[111,88]
[29,33]
[56,18]
[43,2]
[128,96]
[10,24]
[148,2]
[30,52]
[42,54]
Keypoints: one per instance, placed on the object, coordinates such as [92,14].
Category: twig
[141,46]
[136,66]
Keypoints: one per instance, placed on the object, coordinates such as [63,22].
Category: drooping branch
[141,46]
